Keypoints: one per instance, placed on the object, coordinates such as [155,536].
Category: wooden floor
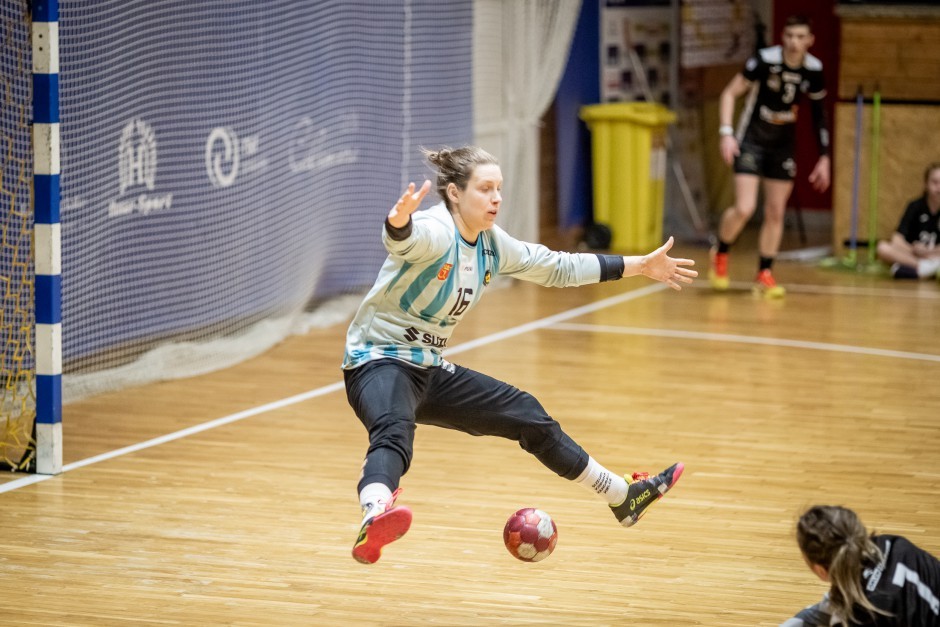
[831,396]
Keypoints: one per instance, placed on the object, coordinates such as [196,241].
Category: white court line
[842,290]
[745,339]
[333,387]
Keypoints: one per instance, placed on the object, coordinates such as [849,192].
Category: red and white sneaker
[764,285]
[718,272]
[382,523]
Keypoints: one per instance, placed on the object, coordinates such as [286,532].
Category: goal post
[30,246]
[47,235]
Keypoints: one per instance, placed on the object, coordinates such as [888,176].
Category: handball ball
[530,535]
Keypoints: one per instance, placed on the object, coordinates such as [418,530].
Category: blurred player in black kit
[763,145]
[914,247]
[877,580]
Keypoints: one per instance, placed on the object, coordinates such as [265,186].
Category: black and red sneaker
[643,491]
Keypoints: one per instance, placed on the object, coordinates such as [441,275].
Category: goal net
[225,169]
[17,321]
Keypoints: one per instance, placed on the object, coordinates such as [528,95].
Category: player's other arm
[821,175]
[737,87]
[410,239]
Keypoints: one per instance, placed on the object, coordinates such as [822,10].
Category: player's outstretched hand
[661,267]
[407,204]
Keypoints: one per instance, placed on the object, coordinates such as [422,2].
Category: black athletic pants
[390,396]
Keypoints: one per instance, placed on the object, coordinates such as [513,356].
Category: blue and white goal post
[48,235]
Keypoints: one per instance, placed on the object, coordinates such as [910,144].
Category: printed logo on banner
[228,156]
[222,154]
[311,148]
[138,155]
[137,168]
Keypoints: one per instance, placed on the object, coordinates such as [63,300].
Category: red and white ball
[530,535]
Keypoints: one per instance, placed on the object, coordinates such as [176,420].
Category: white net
[17,320]
[226,166]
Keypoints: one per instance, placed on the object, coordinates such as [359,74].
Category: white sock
[373,495]
[610,487]
[927,267]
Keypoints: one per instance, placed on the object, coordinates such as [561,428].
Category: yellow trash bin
[628,152]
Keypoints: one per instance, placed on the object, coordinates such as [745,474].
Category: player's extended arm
[821,174]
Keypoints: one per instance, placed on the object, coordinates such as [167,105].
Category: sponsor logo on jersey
[489,252]
[412,334]
[778,117]
[444,272]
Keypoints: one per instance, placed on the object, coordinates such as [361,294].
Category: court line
[842,290]
[745,339]
[333,387]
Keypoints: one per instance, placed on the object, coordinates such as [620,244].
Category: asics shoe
[764,285]
[643,491]
[382,523]
[718,272]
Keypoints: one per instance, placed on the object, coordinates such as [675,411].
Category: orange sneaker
[382,523]
[718,272]
[764,285]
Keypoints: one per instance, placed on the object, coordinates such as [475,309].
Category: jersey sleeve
[754,69]
[817,85]
[428,240]
[539,264]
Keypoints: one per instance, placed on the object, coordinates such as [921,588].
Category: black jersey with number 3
[770,111]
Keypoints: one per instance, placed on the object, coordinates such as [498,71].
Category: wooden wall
[896,50]
[901,56]
[910,139]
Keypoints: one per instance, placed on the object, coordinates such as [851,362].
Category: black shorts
[390,397]
[771,163]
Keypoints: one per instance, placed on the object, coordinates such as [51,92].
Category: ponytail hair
[456,165]
[835,538]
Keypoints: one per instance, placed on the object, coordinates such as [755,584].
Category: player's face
[476,207]
[797,40]
[933,185]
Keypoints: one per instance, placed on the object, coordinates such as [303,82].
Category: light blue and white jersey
[432,278]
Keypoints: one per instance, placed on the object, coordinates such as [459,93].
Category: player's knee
[540,435]
[396,434]
[744,210]
[884,250]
